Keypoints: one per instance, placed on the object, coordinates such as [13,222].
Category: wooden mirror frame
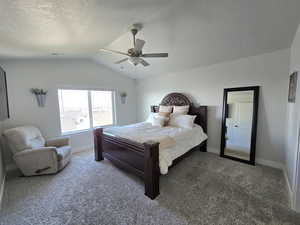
[255,89]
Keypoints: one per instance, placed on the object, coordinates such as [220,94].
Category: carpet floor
[202,189]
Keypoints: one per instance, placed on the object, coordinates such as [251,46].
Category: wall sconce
[40,95]
[123,96]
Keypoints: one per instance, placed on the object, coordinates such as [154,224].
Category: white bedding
[184,138]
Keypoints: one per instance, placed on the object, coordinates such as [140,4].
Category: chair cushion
[27,137]
[63,152]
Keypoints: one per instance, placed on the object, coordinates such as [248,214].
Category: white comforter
[184,138]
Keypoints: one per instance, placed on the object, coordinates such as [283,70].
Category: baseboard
[290,190]
[82,149]
[2,191]
[263,162]
[213,150]
[269,163]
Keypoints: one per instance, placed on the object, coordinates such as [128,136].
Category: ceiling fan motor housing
[134,53]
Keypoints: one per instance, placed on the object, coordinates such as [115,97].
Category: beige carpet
[202,189]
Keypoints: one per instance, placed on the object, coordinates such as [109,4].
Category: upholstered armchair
[33,154]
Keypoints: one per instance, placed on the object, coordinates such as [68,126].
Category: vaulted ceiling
[194,32]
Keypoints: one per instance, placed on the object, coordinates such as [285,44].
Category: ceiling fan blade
[122,60]
[150,55]
[143,62]
[113,51]
[139,44]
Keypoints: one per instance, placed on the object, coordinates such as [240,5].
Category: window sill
[78,132]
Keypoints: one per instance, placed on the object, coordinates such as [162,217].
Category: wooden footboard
[141,159]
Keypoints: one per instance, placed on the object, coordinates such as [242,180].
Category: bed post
[151,172]
[203,147]
[98,144]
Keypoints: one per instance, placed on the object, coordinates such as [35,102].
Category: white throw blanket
[174,141]
[143,132]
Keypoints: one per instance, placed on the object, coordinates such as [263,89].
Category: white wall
[293,119]
[2,168]
[52,74]
[205,85]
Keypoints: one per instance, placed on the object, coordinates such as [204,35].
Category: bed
[148,159]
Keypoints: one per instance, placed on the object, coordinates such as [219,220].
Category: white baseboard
[81,149]
[269,163]
[213,150]
[263,162]
[2,191]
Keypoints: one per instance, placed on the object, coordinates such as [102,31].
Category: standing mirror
[239,123]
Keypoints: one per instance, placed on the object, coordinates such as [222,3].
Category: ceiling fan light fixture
[134,60]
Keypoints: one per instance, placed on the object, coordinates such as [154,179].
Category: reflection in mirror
[239,124]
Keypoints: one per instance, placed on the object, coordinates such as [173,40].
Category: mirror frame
[255,89]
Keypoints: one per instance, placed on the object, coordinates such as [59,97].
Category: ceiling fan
[135,55]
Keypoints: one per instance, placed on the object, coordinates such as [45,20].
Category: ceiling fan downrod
[134,31]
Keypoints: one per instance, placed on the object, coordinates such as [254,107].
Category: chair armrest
[37,161]
[58,142]
[36,151]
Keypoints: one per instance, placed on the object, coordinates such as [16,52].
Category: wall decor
[4,110]
[40,95]
[293,87]
[123,96]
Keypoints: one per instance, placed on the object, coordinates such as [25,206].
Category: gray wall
[52,74]
[205,85]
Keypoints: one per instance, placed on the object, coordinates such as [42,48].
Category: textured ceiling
[31,28]
[194,32]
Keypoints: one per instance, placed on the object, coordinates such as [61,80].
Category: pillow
[181,109]
[183,121]
[154,116]
[150,117]
[159,121]
[165,108]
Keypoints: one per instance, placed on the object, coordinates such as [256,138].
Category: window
[102,108]
[84,109]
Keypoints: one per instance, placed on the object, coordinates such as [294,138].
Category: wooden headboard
[179,99]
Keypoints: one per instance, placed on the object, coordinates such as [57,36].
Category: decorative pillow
[165,114]
[153,116]
[165,108]
[183,121]
[181,109]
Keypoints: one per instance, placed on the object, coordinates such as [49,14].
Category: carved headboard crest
[179,99]
[175,99]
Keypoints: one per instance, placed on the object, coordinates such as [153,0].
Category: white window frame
[89,90]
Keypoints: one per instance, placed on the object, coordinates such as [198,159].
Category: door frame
[255,90]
